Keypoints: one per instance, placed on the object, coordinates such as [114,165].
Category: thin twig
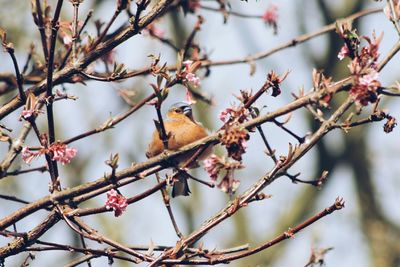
[22,95]
[338,205]
[189,40]
[94,235]
[166,200]
[42,30]
[28,59]
[104,32]
[75,28]
[395,19]
[233,13]
[18,172]
[53,168]
[66,56]
[21,243]
[13,198]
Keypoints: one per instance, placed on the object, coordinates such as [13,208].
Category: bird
[181,129]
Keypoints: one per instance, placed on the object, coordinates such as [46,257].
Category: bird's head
[180,109]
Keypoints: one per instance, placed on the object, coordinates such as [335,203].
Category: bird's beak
[188,112]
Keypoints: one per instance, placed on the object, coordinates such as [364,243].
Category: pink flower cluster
[235,141]
[27,113]
[365,88]
[344,52]
[270,16]
[188,73]
[62,153]
[31,109]
[363,64]
[215,165]
[189,97]
[59,151]
[364,69]
[28,155]
[274,81]
[154,31]
[239,114]
[116,202]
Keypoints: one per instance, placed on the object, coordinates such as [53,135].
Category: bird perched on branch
[181,130]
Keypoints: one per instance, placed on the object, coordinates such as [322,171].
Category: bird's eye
[178,110]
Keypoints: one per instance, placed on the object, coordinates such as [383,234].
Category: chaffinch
[181,129]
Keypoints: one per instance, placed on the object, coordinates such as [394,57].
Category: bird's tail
[180,186]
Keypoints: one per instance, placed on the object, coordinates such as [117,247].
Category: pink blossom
[67,40]
[234,140]
[188,75]
[275,81]
[62,153]
[239,114]
[244,144]
[370,52]
[27,113]
[270,16]
[224,115]
[189,97]
[213,165]
[369,79]
[116,202]
[344,52]
[155,31]
[28,155]
[365,89]
[30,108]
[187,63]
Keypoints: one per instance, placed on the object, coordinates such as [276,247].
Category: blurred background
[363,163]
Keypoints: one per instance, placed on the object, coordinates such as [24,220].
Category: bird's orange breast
[181,131]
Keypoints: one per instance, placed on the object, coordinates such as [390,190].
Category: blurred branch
[66,73]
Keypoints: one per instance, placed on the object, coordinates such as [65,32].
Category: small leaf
[114,160]
[31,102]
[156,90]
[164,93]
[159,80]
[151,248]
[127,96]
[4,137]
[107,124]
[179,62]
[252,65]
[195,66]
